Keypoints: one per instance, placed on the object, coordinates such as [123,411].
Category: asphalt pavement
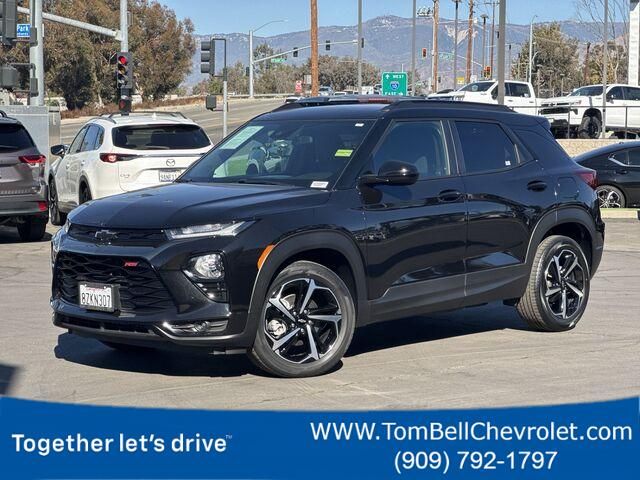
[478,357]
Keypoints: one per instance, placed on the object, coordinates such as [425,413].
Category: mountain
[388,43]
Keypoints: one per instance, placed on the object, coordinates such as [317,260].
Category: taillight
[589,177]
[33,159]
[109,157]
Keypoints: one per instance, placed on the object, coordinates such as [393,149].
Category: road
[479,357]
[239,112]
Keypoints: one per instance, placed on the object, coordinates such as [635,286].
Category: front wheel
[590,127]
[558,288]
[306,323]
[57,217]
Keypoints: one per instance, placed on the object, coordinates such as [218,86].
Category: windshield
[590,91]
[160,137]
[301,153]
[477,87]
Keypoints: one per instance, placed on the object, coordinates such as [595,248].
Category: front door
[416,234]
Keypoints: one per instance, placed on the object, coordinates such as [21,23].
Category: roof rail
[412,102]
[110,116]
[341,100]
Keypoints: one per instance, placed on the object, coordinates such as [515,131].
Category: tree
[555,60]
[616,65]
[341,73]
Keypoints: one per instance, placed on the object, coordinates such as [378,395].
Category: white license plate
[169,175]
[96,296]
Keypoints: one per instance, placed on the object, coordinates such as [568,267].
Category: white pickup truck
[519,96]
[581,111]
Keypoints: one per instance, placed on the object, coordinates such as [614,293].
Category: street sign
[460,81]
[278,60]
[394,83]
[298,86]
[23,30]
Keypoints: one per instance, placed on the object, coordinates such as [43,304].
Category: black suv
[325,215]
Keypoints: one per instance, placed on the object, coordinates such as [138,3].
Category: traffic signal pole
[36,56]
[502,30]
[314,48]
[124,27]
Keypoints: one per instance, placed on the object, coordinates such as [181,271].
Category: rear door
[18,177]
[632,114]
[629,176]
[77,162]
[156,154]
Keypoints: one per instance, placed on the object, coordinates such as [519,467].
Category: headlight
[212,230]
[206,267]
[55,242]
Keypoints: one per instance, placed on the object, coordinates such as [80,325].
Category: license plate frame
[168,176]
[90,287]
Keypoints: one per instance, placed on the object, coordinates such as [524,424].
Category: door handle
[622,172]
[447,196]
[537,186]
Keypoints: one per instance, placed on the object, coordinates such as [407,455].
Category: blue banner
[47,440]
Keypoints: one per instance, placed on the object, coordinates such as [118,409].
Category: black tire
[536,306]
[85,194]
[329,298]
[56,217]
[610,197]
[590,127]
[33,229]
[124,347]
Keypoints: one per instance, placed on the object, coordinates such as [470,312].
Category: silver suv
[23,191]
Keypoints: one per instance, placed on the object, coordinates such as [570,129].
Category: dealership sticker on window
[318,184]
[344,152]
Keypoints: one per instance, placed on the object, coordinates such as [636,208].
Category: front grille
[141,290]
[554,110]
[127,237]
[127,327]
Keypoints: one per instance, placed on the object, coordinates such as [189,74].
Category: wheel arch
[330,248]
[592,112]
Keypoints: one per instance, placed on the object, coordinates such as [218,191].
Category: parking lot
[482,356]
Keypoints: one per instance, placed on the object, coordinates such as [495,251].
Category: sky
[224,16]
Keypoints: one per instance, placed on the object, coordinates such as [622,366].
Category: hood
[185,204]
[552,102]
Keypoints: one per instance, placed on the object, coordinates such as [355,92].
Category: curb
[627,213]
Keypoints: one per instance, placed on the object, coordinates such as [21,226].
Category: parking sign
[23,30]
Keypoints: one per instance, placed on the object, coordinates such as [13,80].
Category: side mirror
[59,150]
[392,173]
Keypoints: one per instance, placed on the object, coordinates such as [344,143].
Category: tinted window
[305,153]
[14,138]
[590,91]
[615,94]
[160,137]
[518,90]
[477,87]
[610,159]
[89,141]
[634,157]
[77,142]
[594,162]
[632,93]
[419,143]
[486,147]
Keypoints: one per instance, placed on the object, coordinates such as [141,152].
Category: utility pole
[493,35]
[434,59]
[36,55]
[251,66]
[455,47]
[470,43]
[510,73]
[484,17]
[413,48]
[314,48]
[502,50]
[531,49]
[360,45]
[605,61]
[124,27]
[587,57]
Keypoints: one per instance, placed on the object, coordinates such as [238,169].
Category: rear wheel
[85,194]
[55,215]
[610,197]
[33,229]
[558,288]
[590,127]
[306,324]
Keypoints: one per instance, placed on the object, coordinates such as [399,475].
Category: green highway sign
[394,83]
[278,60]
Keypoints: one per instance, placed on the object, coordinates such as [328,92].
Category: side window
[634,157]
[613,159]
[615,93]
[518,90]
[420,143]
[99,138]
[89,141]
[632,94]
[486,147]
[77,142]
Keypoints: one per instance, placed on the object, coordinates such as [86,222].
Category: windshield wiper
[259,182]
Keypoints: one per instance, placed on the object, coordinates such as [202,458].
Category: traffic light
[124,103]
[327,45]
[424,53]
[487,71]
[8,23]
[124,71]
[208,57]
[295,52]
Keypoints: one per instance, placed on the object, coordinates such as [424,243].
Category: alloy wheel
[609,198]
[303,321]
[53,201]
[565,284]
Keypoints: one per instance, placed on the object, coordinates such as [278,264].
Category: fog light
[194,329]
[206,267]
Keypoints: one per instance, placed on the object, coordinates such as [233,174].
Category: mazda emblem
[171,162]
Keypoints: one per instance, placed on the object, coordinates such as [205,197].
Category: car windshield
[160,137]
[301,153]
[477,87]
[590,91]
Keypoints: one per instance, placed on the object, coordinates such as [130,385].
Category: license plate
[169,175]
[98,296]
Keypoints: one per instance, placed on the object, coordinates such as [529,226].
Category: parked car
[23,190]
[369,212]
[618,168]
[519,96]
[293,98]
[117,153]
[325,91]
[581,111]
